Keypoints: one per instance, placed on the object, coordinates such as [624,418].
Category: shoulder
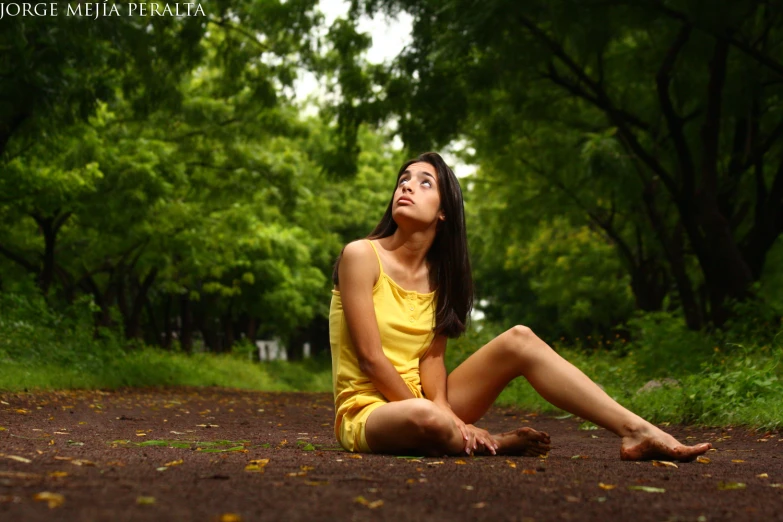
[358,262]
[359,250]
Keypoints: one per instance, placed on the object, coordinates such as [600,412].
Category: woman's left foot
[653,443]
[523,441]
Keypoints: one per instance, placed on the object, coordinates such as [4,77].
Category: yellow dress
[406,320]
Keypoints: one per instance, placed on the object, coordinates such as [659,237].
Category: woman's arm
[357,274]
[432,369]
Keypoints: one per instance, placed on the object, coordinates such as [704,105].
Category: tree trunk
[186,326]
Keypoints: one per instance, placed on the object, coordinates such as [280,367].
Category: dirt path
[187,454]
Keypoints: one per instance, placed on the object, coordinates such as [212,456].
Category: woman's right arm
[357,274]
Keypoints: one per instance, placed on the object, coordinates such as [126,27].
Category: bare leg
[413,425]
[476,383]
[418,425]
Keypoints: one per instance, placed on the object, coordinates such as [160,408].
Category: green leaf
[647,489]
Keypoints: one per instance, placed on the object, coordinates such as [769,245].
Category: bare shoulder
[358,263]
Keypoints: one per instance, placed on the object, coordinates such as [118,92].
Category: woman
[398,296]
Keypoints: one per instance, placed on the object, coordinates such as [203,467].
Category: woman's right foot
[651,442]
[526,442]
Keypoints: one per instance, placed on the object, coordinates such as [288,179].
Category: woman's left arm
[432,369]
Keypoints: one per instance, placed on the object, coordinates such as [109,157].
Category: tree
[689,94]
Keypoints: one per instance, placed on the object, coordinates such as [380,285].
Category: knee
[521,342]
[428,420]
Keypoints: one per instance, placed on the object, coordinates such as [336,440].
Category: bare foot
[652,443]
[523,441]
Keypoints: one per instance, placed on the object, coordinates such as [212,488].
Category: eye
[428,182]
[403,180]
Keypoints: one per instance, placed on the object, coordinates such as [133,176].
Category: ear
[441,216]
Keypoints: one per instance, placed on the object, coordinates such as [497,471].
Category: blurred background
[174,191]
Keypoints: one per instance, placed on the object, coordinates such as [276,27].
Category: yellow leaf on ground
[528,472]
[370,504]
[57,457]
[762,475]
[511,464]
[230,517]
[58,474]
[18,459]
[438,463]
[479,505]
[737,461]
[460,462]
[82,462]
[174,463]
[703,460]
[145,501]
[306,468]
[316,482]
[410,481]
[607,487]
[53,500]
[467,487]
[2,428]
[664,464]
[355,456]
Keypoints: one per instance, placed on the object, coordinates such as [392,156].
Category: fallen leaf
[162,468]
[174,463]
[607,487]
[230,517]
[19,474]
[737,461]
[57,457]
[579,457]
[410,481]
[318,483]
[145,501]
[18,459]
[53,500]
[306,468]
[511,464]
[571,498]
[528,472]
[730,485]
[647,489]
[467,487]
[703,460]
[57,474]
[479,505]
[664,464]
[460,462]
[437,463]
[370,504]
[776,485]
[82,462]
[355,456]
[762,475]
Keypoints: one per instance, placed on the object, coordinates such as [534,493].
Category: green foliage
[41,348]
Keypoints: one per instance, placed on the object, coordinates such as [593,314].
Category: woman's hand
[479,439]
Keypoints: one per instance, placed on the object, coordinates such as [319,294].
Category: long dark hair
[448,259]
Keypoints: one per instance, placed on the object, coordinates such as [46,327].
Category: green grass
[153,367]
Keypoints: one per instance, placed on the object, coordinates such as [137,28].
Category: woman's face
[417,196]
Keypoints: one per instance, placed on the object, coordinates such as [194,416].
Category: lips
[404,199]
